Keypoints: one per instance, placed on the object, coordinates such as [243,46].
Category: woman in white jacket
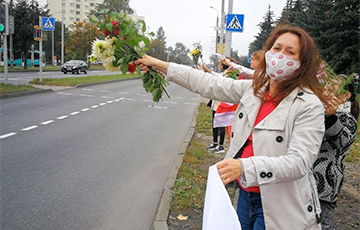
[276,134]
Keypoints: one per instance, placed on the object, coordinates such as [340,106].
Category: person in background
[340,132]
[218,130]
[276,132]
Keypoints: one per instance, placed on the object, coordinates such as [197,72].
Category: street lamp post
[62,35]
[216,28]
[52,42]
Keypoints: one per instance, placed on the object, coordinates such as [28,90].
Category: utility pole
[62,35]
[222,27]
[40,50]
[228,33]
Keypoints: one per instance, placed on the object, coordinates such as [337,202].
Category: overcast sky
[190,21]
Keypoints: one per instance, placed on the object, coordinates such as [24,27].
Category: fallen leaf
[181,217]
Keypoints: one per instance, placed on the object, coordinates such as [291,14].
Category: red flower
[124,38]
[131,67]
[106,32]
[114,23]
[116,31]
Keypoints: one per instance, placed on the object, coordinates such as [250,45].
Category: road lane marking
[188,103]
[106,97]
[102,104]
[143,95]
[74,113]
[170,102]
[30,128]
[157,107]
[85,95]
[129,99]
[194,98]
[147,100]
[7,135]
[62,117]
[109,102]
[105,91]
[47,122]
[94,106]
[123,92]
[177,97]
[86,109]
[61,93]
[88,89]
[119,99]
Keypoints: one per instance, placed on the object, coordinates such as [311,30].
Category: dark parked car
[74,66]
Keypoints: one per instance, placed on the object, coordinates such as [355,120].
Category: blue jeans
[250,211]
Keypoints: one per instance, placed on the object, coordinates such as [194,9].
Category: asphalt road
[18,78]
[89,158]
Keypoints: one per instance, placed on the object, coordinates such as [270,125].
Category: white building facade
[72,10]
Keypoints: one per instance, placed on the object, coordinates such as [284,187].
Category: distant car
[74,66]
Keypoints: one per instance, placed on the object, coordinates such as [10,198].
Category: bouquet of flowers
[125,41]
[232,74]
[196,53]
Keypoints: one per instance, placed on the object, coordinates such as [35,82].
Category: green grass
[80,80]
[354,154]
[9,88]
[46,68]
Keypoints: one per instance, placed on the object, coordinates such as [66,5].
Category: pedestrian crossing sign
[48,24]
[235,22]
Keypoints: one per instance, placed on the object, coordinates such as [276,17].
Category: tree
[81,37]
[157,47]
[341,37]
[26,16]
[180,54]
[115,6]
[265,29]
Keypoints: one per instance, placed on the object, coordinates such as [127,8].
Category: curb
[24,93]
[162,213]
[32,92]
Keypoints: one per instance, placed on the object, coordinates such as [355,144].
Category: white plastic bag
[219,214]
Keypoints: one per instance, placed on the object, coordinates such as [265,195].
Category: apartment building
[72,10]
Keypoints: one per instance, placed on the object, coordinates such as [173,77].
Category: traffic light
[4,17]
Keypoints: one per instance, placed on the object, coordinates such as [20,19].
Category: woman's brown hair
[304,77]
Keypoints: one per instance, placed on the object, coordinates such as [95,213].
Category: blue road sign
[235,22]
[48,24]
[249,58]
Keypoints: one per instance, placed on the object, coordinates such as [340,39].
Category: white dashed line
[74,113]
[85,95]
[47,122]
[123,93]
[119,99]
[105,91]
[194,98]
[143,95]
[187,103]
[170,102]
[30,128]
[106,97]
[62,117]
[147,100]
[129,99]
[157,107]
[64,93]
[109,102]
[177,97]
[88,89]
[102,104]
[7,135]
[94,106]
[86,109]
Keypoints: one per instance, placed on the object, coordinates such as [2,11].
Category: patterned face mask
[279,66]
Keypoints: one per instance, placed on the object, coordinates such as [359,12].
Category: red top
[266,108]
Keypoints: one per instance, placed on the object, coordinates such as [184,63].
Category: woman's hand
[206,69]
[149,62]
[225,61]
[229,170]
[333,105]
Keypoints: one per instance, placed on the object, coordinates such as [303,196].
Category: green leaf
[93,19]
[124,68]
[143,27]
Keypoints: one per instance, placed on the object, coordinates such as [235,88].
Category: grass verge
[9,88]
[80,80]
